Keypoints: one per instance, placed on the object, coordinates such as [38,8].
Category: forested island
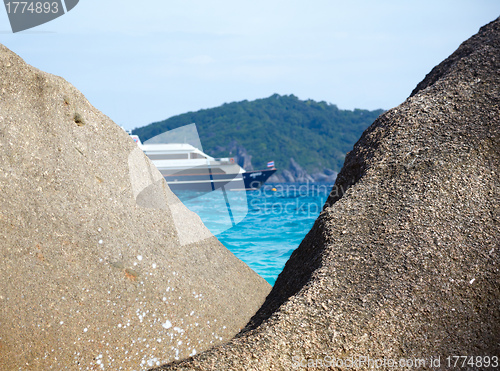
[307,140]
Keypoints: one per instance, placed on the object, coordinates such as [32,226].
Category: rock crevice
[403,262]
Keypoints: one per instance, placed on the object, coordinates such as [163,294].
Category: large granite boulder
[402,267]
[101,266]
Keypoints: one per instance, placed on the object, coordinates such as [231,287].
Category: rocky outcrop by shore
[403,264]
[296,174]
[101,266]
[241,155]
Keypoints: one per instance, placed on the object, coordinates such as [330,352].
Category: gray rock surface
[299,173]
[241,155]
[101,266]
[326,176]
[296,174]
[404,260]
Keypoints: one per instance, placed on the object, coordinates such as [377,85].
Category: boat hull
[208,181]
[255,179]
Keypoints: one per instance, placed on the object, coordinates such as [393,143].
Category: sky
[141,62]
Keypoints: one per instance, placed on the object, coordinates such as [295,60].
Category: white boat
[185,167]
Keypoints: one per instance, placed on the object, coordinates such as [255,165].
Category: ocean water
[262,227]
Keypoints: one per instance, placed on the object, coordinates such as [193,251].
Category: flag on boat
[270,164]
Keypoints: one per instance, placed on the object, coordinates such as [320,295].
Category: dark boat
[256,178]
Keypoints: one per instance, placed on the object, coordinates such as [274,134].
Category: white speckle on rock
[167,324]
[85,329]
[139,257]
[472,281]
[154,265]
[101,242]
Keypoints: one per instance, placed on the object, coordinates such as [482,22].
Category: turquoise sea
[260,227]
